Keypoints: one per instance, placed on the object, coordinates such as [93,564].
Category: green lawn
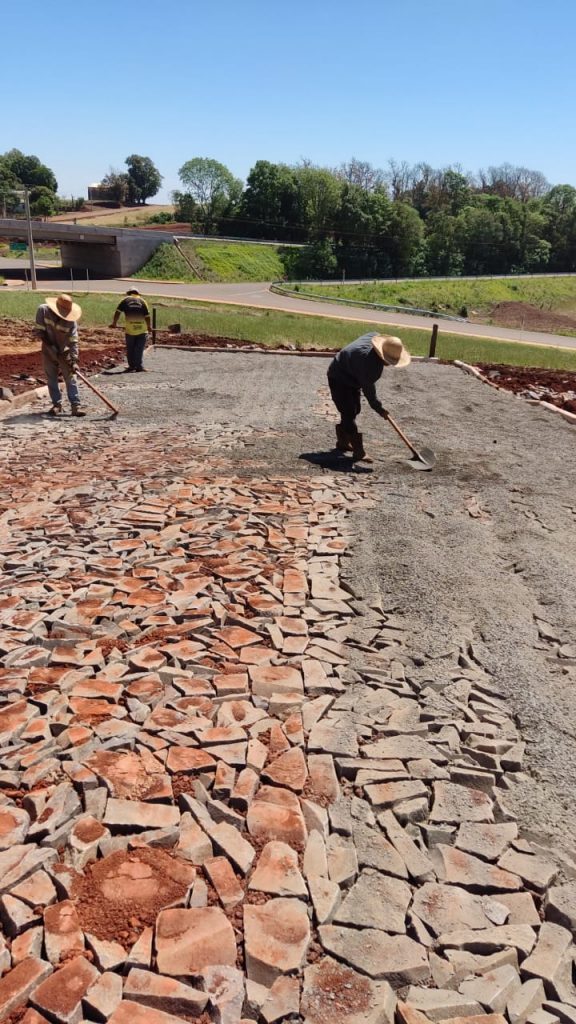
[46,252]
[451,296]
[217,261]
[273,328]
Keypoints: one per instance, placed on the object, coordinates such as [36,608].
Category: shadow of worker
[335,461]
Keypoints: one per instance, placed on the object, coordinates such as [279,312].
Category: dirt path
[256,754]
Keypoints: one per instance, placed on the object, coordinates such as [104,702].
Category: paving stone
[20,861]
[165,994]
[396,958]
[288,770]
[374,851]
[342,860]
[488,940]
[337,739]
[283,1000]
[276,938]
[375,901]
[444,908]
[227,839]
[535,871]
[28,944]
[525,1000]
[193,843]
[108,955]
[487,841]
[220,873]
[14,825]
[387,794]
[461,868]
[187,941]
[130,1012]
[326,897]
[17,985]
[404,748]
[103,996]
[546,958]
[455,804]
[437,1004]
[494,988]
[277,872]
[62,932]
[336,993]
[561,904]
[267,680]
[225,986]
[418,864]
[480,1018]
[521,908]
[125,816]
[275,814]
[60,996]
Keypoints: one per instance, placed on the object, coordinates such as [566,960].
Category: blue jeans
[52,367]
[135,345]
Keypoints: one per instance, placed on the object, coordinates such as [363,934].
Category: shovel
[103,398]
[423,459]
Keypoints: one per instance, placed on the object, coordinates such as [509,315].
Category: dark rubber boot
[55,410]
[77,410]
[342,442]
[358,453]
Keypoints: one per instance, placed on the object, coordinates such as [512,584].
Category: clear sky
[84,85]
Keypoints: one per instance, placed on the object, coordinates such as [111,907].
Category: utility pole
[30,239]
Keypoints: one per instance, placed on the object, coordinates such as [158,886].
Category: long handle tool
[423,459]
[93,388]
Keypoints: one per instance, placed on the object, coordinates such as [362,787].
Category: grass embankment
[269,327]
[216,261]
[46,252]
[556,294]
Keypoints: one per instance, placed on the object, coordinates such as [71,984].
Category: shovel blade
[425,460]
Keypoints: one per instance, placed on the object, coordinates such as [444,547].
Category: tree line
[356,219]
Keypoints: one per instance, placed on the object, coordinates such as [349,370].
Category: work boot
[56,409]
[358,453]
[342,441]
[77,410]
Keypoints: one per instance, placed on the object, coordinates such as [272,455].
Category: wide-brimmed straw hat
[65,308]
[391,350]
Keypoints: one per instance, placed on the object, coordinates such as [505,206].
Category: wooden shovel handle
[96,391]
[401,434]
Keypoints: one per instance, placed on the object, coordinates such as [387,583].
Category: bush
[161,218]
[464,311]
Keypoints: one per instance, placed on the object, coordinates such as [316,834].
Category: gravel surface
[473,553]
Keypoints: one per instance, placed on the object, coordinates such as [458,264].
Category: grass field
[556,294]
[220,261]
[41,252]
[123,218]
[273,328]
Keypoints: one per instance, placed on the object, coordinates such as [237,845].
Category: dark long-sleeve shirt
[359,366]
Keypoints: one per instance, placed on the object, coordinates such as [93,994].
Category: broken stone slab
[337,994]
[489,940]
[315,863]
[375,901]
[103,996]
[225,987]
[547,957]
[275,814]
[164,993]
[335,738]
[419,865]
[277,871]
[267,680]
[228,840]
[525,1000]
[130,1012]
[454,804]
[444,908]
[466,964]
[494,988]
[20,861]
[62,932]
[288,770]
[276,939]
[126,816]
[17,985]
[222,877]
[282,1001]
[108,955]
[561,905]
[537,872]
[405,748]
[187,941]
[388,794]
[374,851]
[395,958]
[326,897]
[459,868]
[14,825]
[60,996]
[485,840]
[437,1004]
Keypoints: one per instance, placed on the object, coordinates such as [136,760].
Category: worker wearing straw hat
[355,369]
[57,323]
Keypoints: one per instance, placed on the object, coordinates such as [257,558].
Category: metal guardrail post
[153,325]
[433,339]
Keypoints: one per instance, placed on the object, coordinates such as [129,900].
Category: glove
[385,414]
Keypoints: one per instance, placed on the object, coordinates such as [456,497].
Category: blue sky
[444,81]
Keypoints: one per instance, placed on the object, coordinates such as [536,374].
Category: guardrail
[280,289]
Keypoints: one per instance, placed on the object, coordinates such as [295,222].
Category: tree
[28,170]
[405,239]
[314,261]
[559,212]
[269,206]
[119,185]
[319,198]
[145,178]
[362,174]
[212,187]
[510,182]
[43,202]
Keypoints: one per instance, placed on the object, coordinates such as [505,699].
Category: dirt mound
[523,315]
[555,386]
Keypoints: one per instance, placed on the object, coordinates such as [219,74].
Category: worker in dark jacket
[356,369]
[57,325]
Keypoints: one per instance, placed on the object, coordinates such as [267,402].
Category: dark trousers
[347,401]
[135,345]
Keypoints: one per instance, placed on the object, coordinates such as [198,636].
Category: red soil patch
[555,386]
[530,318]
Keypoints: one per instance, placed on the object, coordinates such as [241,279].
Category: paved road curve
[259,295]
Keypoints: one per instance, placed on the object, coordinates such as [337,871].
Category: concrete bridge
[104,252]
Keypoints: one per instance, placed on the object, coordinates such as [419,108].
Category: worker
[136,328]
[355,369]
[57,324]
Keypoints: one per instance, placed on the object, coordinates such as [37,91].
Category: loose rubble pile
[228,789]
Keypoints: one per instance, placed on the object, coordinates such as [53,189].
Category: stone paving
[227,793]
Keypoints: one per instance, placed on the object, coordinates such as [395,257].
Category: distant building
[98,193]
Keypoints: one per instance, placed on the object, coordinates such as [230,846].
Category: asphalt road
[260,296]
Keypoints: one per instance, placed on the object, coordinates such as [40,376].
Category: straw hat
[391,350]
[65,308]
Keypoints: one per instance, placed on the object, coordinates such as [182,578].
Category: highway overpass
[104,252]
